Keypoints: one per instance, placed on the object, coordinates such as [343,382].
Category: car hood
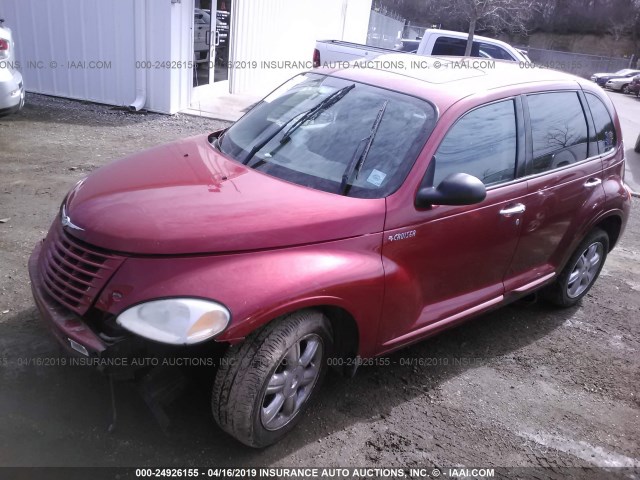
[186,197]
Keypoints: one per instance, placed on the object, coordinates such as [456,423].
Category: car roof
[446,80]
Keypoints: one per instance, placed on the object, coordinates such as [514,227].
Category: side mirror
[455,189]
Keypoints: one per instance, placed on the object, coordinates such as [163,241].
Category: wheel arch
[611,222]
[346,333]
[612,226]
[345,329]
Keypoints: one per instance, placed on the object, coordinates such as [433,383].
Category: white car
[619,84]
[11,86]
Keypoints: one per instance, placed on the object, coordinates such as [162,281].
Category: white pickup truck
[434,42]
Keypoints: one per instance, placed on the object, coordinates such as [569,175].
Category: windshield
[369,135]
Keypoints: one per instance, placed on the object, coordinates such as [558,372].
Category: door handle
[513,210]
[592,182]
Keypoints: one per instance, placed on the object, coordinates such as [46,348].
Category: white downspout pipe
[345,9]
[140,26]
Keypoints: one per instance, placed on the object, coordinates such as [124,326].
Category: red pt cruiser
[350,213]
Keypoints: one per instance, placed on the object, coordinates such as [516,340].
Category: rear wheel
[637,147]
[581,271]
[264,384]
[625,88]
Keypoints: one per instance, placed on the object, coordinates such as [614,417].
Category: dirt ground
[525,386]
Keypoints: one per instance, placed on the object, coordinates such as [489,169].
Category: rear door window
[493,51]
[482,143]
[558,129]
[447,46]
[605,133]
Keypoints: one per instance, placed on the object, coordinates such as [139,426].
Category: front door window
[452,258]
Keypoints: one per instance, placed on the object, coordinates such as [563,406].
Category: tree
[495,15]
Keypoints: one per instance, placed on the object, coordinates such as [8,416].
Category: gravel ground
[525,386]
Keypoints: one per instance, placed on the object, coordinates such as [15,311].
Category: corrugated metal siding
[286,30]
[181,48]
[53,37]
[69,32]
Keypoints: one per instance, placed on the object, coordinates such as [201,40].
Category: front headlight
[178,321]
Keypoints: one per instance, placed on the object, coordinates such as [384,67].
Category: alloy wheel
[585,270]
[292,382]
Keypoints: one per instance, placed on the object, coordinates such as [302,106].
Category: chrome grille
[74,273]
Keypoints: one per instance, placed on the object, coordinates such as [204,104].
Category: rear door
[565,184]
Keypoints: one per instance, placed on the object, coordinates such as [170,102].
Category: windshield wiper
[302,118]
[315,112]
[357,161]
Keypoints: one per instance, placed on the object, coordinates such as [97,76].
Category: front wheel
[581,271]
[264,384]
[22,101]
[637,147]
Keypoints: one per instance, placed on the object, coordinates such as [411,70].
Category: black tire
[637,146]
[625,89]
[558,293]
[240,386]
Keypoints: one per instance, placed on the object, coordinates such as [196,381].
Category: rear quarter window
[605,134]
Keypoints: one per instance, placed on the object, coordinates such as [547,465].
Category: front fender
[262,285]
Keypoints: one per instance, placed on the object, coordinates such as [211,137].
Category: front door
[451,260]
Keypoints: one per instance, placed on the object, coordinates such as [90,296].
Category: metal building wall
[286,30]
[54,38]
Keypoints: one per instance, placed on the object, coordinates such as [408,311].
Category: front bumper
[86,338]
[69,329]
[10,83]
